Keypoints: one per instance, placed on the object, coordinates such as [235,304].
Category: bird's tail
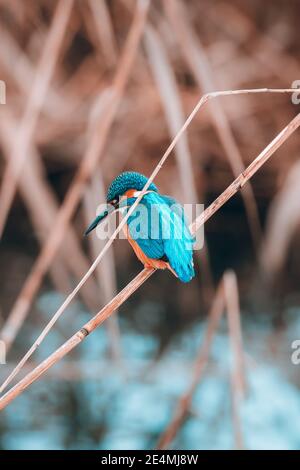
[184,271]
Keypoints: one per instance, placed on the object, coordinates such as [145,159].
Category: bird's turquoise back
[158,226]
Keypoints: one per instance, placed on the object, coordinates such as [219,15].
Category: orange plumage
[147,262]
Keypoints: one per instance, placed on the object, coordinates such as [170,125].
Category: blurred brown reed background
[98,87]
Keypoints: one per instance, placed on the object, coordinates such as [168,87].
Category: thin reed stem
[237,372]
[25,132]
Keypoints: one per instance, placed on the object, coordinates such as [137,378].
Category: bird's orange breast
[147,262]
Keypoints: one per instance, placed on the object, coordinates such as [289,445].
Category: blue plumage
[156,230]
[158,226]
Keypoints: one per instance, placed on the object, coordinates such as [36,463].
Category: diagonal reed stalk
[42,207]
[34,195]
[237,184]
[237,371]
[123,295]
[37,95]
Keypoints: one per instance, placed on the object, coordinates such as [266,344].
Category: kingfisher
[156,229]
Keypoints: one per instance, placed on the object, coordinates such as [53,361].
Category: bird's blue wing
[142,227]
[179,245]
[158,226]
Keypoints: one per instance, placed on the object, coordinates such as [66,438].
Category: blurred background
[97,87]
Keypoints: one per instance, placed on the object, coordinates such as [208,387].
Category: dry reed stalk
[104,30]
[169,93]
[42,203]
[108,310]
[34,200]
[90,160]
[106,271]
[184,403]
[37,94]
[196,58]
[235,331]
[237,373]
[235,186]
[42,207]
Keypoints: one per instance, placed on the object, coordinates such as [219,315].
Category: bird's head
[126,185]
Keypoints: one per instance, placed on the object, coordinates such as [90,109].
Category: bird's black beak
[110,208]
